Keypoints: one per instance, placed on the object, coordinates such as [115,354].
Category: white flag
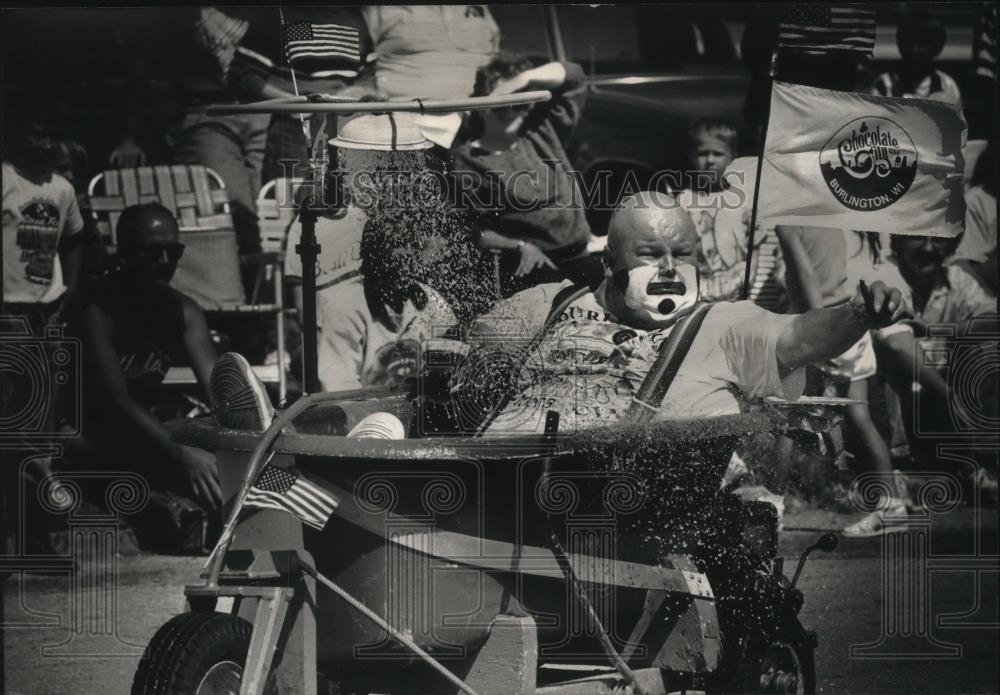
[868,163]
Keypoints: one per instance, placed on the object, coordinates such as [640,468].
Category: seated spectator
[535,223]
[596,350]
[712,145]
[920,40]
[41,221]
[134,328]
[977,250]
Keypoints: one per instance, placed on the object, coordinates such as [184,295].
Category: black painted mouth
[666,288]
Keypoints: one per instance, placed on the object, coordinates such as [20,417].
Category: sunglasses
[154,252]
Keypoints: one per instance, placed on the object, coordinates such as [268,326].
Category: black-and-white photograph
[515,349]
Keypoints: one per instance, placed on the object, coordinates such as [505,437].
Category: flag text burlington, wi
[868,163]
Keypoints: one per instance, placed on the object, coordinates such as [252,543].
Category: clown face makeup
[662,299]
[652,263]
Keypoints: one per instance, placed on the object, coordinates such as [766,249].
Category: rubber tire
[747,680]
[186,647]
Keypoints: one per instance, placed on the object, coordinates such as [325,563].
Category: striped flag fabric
[322,43]
[285,489]
[984,51]
[820,28]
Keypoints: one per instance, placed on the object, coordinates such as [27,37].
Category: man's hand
[127,154]
[532,258]
[201,474]
[878,306]
[512,85]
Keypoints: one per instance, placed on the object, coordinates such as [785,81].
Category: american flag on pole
[305,41]
[286,490]
[821,28]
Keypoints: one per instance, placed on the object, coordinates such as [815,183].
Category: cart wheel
[788,669]
[200,653]
[782,668]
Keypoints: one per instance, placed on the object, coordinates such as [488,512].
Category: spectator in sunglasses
[135,327]
[512,169]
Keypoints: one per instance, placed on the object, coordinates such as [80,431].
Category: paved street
[844,601]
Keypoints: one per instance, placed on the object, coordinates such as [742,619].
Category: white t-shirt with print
[339,240]
[589,366]
[35,217]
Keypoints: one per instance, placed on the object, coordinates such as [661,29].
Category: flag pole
[760,167]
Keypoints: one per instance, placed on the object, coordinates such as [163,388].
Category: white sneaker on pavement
[879,523]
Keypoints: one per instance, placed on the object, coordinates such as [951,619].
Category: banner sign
[867,163]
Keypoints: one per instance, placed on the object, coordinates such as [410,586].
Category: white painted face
[659,297]
[651,261]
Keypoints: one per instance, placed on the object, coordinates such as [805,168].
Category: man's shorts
[854,364]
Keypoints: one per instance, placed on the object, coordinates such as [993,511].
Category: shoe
[238,398]
[879,523]
[378,426]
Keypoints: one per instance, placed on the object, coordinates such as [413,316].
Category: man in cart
[595,357]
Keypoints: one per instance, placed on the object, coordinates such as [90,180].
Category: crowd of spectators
[389,274]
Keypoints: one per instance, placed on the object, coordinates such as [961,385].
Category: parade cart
[579,563]
[485,561]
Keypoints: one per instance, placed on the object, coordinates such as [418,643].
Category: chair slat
[147,186]
[165,186]
[130,189]
[202,192]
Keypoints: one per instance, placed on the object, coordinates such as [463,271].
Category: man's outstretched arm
[820,334]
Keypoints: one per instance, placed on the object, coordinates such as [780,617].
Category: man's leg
[214,143]
[874,453]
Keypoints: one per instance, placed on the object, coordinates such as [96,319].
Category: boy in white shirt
[41,226]
[722,256]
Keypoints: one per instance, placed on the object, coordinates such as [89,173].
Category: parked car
[654,69]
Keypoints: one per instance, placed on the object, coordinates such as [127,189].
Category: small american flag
[286,490]
[308,42]
[820,28]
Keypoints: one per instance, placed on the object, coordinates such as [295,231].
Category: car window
[609,39]
[522,30]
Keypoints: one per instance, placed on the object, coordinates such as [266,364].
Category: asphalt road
[950,644]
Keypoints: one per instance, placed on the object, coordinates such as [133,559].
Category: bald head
[650,214]
[651,260]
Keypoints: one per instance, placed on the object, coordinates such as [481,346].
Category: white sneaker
[879,523]
[238,398]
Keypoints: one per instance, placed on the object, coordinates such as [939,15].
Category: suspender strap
[561,302]
[646,403]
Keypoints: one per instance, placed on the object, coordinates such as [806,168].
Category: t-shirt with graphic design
[589,366]
[35,217]
[357,350]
